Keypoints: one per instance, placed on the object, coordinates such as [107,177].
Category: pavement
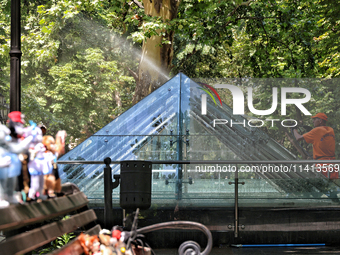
[315,250]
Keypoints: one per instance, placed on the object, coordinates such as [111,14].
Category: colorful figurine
[10,167]
[40,164]
[56,148]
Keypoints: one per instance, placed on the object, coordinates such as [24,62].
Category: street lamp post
[15,54]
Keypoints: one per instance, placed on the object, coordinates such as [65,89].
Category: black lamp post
[15,53]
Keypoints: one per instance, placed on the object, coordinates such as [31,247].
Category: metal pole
[15,54]
[236,203]
[107,194]
[179,178]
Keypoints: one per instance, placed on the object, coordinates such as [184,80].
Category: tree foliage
[81,58]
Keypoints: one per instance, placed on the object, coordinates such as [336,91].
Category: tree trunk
[155,62]
[118,99]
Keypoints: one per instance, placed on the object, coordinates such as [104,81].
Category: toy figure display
[110,243]
[43,165]
[28,161]
[13,144]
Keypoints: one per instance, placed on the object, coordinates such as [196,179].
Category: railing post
[236,203]
[107,194]
[108,187]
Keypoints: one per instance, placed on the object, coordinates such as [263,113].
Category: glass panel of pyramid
[168,125]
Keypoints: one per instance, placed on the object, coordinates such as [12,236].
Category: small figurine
[24,137]
[104,237]
[106,250]
[89,243]
[95,248]
[55,147]
[39,166]
[10,168]
[16,124]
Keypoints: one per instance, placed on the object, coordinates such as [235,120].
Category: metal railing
[209,162]
[109,185]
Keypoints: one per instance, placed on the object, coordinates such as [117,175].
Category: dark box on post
[135,184]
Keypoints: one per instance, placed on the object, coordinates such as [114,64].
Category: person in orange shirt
[323,139]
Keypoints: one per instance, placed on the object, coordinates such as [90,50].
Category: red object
[16,117]
[116,233]
[320,115]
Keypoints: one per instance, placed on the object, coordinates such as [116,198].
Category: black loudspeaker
[135,184]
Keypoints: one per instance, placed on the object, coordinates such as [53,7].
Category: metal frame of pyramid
[159,128]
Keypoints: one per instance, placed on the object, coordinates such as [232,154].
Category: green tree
[85,62]
[72,75]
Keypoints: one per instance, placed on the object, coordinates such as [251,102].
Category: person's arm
[298,137]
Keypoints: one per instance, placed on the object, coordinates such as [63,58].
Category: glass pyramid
[168,125]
